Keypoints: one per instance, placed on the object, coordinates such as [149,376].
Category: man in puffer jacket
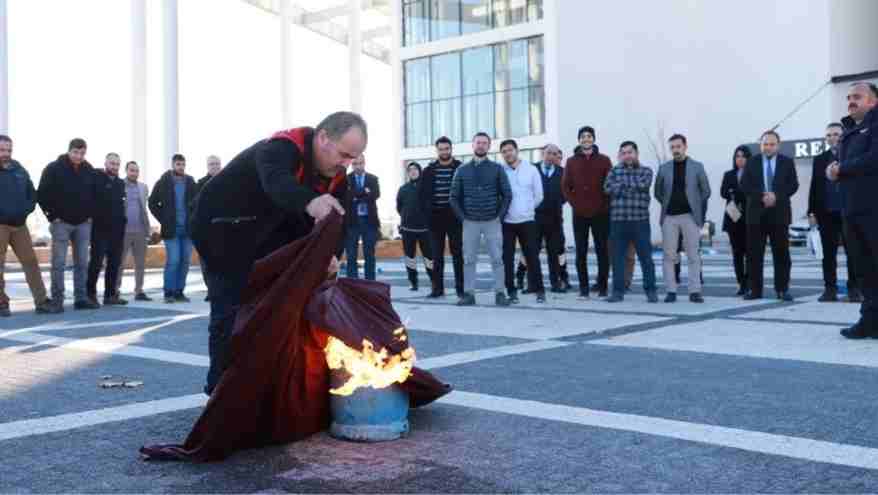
[18,200]
[480,197]
[413,226]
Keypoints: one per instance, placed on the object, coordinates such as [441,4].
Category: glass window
[537,106]
[509,12]
[475,16]
[444,19]
[478,71]
[447,120]
[417,80]
[511,65]
[415,24]
[535,62]
[478,115]
[445,75]
[512,113]
[534,10]
[417,119]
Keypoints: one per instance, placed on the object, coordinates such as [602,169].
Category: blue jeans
[226,290]
[178,252]
[623,233]
[361,229]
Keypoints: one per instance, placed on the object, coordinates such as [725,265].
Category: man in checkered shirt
[628,187]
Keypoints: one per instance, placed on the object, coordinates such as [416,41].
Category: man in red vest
[268,196]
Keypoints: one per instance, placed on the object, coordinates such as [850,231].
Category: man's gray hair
[339,123]
[552,147]
[871,87]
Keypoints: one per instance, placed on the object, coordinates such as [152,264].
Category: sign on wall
[799,148]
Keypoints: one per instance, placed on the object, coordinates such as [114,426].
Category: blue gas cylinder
[369,414]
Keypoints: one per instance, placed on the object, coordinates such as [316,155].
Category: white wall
[718,72]
[854,45]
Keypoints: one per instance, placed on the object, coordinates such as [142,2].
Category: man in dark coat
[214,167]
[549,214]
[361,222]
[825,205]
[857,170]
[107,232]
[266,197]
[170,203]
[413,226]
[769,181]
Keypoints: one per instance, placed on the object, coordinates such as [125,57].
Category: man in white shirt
[519,223]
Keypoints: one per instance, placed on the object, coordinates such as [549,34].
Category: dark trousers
[738,240]
[226,290]
[106,244]
[832,234]
[550,233]
[779,235]
[410,241]
[600,227]
[863,238]
[526,235]
[622,234]
[444,225]
[360,228]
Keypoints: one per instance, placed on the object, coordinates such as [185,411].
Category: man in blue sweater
[480,197]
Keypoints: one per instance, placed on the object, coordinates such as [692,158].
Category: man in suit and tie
[361,218]
[769,181]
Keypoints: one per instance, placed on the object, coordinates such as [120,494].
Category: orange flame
[369,368]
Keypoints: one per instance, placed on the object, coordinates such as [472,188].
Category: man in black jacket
[769,181]
[434,189]
[413,226]
[361,222]
[17,201]
[107,232]
[214,167]
[68,196]
[170,202]
[825,205]
[549,214]
[857,170]
[266,197]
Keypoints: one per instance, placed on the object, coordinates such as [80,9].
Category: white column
[552,69]
[171,79]
[397,169]
[355,51]
[138,84]
[286,74]
[4,71]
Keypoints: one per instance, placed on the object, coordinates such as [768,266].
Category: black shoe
[4,312]
[114,300]
[671,297]
[652,298]
[857,332]
[513,298]
[829,295]
[206,298]
[741,292]
[169,299]
[413,288]
[583,296]
[854,296]
[785,296]
[696,297]
[86,304]
[541,297]
[181,298]
[142,297]
[557,290]
[519,280]
[602,292]
[501,300]
[435,295]
[47,307]
[467,300]
[752,297]
[615,298]
[595,287]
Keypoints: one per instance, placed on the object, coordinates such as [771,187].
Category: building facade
[719,72]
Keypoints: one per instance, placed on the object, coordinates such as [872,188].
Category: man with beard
[268,196]
[434,191]
[107,232]
[857,170]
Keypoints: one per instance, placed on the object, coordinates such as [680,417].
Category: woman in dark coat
[413,226]
[731,192]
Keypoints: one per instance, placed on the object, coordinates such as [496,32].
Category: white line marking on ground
[56,326]
[753,441]
[490,353]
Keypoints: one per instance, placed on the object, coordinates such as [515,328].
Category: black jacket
[201,182]
[355,195]
[553,200]
[255,205]
[858,160]
[66,193]
[110,211]
[408,206]
[425,187]
[817,191]
[480,191]
[18,199]
[731,191]
[163,203]
[786,183]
